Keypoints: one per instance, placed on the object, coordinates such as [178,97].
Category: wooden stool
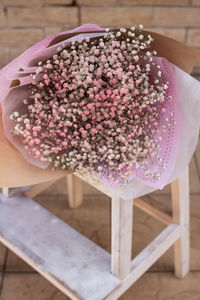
[76,265]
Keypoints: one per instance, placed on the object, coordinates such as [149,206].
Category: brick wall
[24,22]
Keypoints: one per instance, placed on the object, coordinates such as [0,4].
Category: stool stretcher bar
[147,257]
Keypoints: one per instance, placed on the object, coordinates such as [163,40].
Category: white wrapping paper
[189,94]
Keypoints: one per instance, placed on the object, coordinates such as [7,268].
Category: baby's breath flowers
[97,107]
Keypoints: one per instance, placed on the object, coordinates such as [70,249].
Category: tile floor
[18,281]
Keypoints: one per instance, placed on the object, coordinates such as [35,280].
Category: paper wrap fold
[16,171]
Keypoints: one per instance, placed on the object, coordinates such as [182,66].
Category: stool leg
[181,215]
[75,196]
[121,236]
[5,192]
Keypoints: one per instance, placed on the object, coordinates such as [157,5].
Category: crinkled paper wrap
[16,171]
[189,94]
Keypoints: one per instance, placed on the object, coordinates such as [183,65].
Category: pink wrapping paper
[15,77]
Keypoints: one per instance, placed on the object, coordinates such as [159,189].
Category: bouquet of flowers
[102,102]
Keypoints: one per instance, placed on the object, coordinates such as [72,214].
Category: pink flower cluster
[95,107]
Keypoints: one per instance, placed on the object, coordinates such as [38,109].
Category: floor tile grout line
[103,196]
[148,271]
[3,271]
[20,272]
[172,271]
